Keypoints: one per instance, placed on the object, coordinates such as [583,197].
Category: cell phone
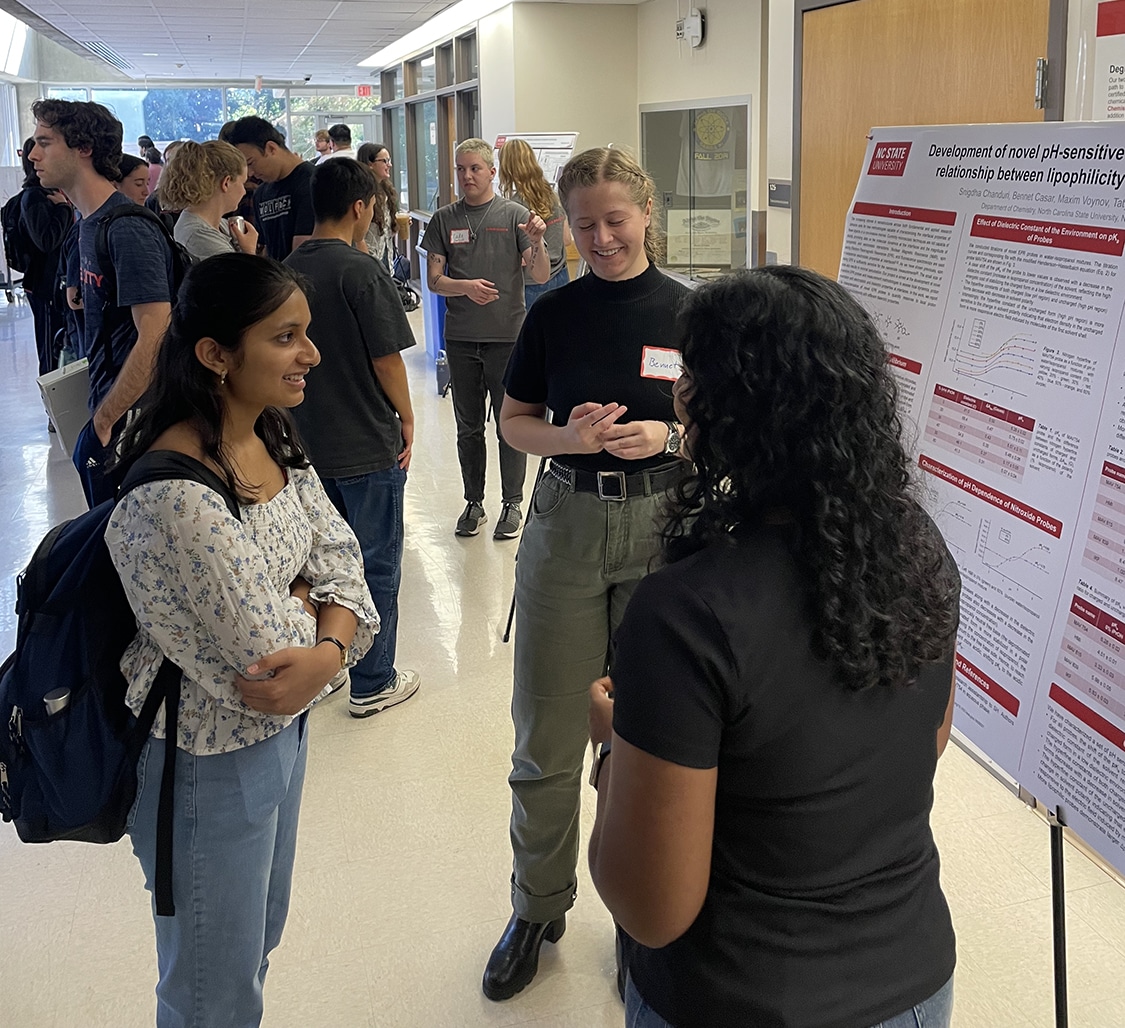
[239,224]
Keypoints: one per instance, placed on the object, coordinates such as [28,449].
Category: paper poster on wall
[991,258]
[699,237]
[1109,61]
[552,149]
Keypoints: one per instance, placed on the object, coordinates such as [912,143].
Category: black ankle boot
[515,958]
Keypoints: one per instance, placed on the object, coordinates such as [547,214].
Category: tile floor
[402,868]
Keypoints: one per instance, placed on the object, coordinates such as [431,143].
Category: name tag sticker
[660,363]
[459,235]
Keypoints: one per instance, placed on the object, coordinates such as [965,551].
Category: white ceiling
[282,41]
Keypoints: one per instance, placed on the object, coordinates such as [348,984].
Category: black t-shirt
[601,342]
[142,268]
[347,424]
[824,908]
[283,209]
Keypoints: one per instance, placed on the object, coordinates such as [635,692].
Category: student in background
[782,690]
[45,219]
[283,202]
[168,215]
[380,238]
[204,182]
[322,145]
[522,180]
[133,180]
[477,249]
[126,305]
[357,420]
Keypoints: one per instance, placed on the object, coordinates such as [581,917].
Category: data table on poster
[983,433]
[1105,542]
[1092,657]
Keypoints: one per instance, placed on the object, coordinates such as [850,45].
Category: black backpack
[181,259]
[18,248]
[72,773]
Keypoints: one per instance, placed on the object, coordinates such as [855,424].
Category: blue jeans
[935,1012]
[533,290]
[234,839]
[372,504]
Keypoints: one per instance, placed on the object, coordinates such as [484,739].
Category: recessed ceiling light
[150,55]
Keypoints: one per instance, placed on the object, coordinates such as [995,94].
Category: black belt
[617,485]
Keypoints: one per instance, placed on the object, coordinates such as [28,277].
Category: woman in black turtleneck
[598,353]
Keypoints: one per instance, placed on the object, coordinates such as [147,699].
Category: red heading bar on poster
[1087,238]
[1089,717]
[988,685]
[1111,18]
[900,213]
[1097,617]
[1114,472]
[1048,524]
[896,360]
[991,409]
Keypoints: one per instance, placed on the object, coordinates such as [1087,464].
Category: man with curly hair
[127,306]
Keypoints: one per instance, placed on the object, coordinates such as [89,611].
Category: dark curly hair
[792,416]
[220,298]
[81,124]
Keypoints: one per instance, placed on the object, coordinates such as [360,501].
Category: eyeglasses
[381,160]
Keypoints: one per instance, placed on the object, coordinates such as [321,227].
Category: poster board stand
[1058,914]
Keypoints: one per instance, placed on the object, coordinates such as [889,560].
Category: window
[467,58]
[66,93]
[163,114]
[394,138]
[391,85]
[428,193]
[445,71]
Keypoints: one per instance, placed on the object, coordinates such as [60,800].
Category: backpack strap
[160,466]
[105,261]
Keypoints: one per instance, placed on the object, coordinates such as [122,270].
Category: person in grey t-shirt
[477,249]
[204,183]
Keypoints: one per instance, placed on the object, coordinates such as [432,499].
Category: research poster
[991,259]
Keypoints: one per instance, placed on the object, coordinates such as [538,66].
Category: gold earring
[223,379]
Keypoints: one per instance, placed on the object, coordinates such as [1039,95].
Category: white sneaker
[406,685]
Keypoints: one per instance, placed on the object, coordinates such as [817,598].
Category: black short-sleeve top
[594,341]
[824,908]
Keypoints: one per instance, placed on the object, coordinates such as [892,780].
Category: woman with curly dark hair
[781,690]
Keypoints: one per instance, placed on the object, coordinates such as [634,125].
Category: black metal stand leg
[1058,915]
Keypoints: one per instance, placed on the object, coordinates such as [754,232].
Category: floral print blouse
[212,594]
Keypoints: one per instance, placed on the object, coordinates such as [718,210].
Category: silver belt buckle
[611,476]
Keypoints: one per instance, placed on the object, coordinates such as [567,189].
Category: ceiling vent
[108,55]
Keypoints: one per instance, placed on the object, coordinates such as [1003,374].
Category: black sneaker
[508,526]
[471,519]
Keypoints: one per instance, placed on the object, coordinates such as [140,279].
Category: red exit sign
[364,90]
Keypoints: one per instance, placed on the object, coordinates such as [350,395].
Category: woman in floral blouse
[260,613]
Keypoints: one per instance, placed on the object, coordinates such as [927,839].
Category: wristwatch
[342,647]
[672,443]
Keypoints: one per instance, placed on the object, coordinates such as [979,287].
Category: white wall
[779,136]
[497,63]
[576,70]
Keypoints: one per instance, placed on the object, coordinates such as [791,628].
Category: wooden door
[866,63]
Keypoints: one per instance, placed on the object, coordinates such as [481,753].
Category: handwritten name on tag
[657,362]
[459,235]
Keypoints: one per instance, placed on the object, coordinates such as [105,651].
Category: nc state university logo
[889,159]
